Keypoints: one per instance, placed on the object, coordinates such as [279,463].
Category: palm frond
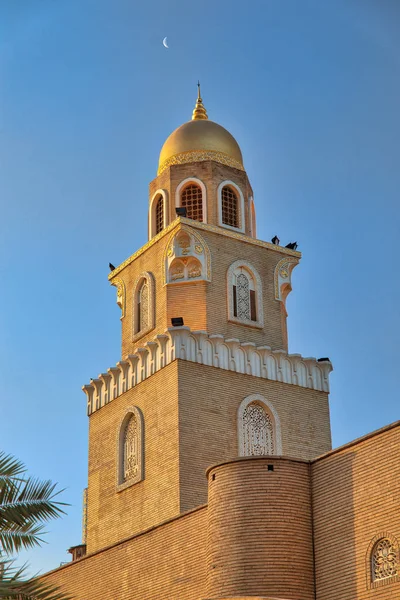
[20,538]
[14,585]
[31,499]
[10,467]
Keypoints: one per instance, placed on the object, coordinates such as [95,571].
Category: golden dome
[199,140]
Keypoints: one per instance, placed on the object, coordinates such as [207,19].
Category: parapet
[213,350]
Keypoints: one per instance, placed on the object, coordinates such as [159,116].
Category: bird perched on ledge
[112,268]
[292,245]
[275,240]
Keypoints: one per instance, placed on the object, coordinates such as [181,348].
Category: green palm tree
[25,505]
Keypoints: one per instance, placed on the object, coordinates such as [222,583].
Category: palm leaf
[10,467]
[20,538]
[15,586]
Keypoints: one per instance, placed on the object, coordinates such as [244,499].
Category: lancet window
[158,213]
[384,559]
[131,463]
[130,451]
[159,216]
[230,208]
[143,305]
[244,294]
[192,200]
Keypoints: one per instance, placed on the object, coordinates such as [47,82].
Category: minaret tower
[204,375]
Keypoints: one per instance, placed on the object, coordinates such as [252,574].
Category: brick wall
[204,304]
[114,515]
[356,493]
[209,399]
[260,530]
[166,563]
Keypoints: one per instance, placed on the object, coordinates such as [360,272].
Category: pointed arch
[130,449]
[244,294]
[259,428]
[143,305]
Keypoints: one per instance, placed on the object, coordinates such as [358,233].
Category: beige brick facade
[279,516]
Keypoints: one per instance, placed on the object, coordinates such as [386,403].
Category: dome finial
[199,110]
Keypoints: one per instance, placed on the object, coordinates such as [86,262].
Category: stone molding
[205,227]
[212,350]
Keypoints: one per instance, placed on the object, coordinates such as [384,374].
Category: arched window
[231,206]
[258,428]
[130,449]
[158,212]
[143,305]
[244,295]
[159,215]
[192,200]
[230,209]
[384,559]
[252,218]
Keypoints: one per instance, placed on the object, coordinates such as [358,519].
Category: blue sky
[88,94]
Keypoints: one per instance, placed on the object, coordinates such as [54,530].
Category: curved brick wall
[260,530]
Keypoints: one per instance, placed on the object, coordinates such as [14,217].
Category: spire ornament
[199,112]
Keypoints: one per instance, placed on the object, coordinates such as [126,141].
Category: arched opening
[384,559]
[192,200]
[142,309]
[230,207]
[258,428]
[253,226]
[159,215]
[143,305]
[130,448]
[244,291]
[244,295]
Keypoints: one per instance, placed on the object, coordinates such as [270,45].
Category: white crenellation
[212,350]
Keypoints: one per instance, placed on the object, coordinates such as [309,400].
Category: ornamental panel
[384,559]
[258,431]
[187,258]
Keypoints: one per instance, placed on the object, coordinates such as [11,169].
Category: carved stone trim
[283,278]
[193,257]
[205,349]
[179,221]
[200,156]
[121,294]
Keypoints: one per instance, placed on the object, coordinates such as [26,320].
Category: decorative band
[199,156]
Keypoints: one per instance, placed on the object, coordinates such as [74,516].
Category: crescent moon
[165,43]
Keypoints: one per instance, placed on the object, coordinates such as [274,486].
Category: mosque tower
[205,376]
